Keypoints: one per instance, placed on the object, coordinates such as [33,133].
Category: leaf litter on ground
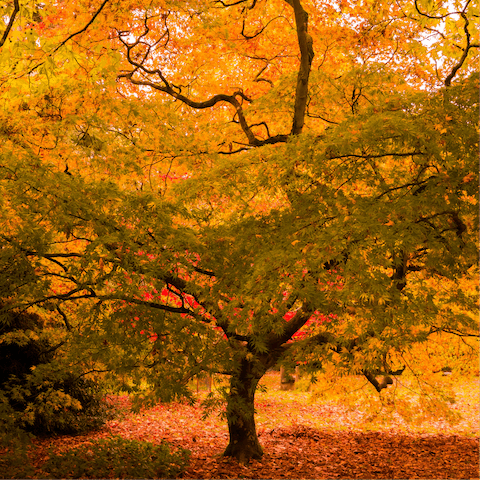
[303,439]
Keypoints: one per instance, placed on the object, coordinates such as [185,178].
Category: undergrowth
[117,457]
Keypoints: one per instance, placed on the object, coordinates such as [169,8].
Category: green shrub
[53,400]
[117,457]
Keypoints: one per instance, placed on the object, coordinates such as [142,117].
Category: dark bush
[46,394]
[14,461]
[24,343]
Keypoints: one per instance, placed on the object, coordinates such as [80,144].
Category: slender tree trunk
[287,381]
[244,444]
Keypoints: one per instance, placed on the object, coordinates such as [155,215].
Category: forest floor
[307,437]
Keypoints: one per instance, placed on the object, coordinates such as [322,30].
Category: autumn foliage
[220,187]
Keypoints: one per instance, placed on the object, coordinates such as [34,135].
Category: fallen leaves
[301,440]
[302,452]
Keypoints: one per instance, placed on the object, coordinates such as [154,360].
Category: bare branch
[231,99]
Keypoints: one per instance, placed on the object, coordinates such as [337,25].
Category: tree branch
[16,9]
[163,85]
[459,64]
[65,318]
[231,99]
[146,303]
[292,326]
[432,17]
[379,386]
[95,15]
[305,42]
[238,2]
[380,155]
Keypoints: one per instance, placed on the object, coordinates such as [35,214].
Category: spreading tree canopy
[192,186]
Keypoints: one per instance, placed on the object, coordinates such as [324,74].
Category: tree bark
[305,43]
[244,444]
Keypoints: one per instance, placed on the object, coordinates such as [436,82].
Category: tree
[192,185]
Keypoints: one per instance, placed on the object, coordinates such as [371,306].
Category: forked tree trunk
[244,444]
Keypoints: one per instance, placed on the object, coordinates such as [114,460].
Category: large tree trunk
[244,444]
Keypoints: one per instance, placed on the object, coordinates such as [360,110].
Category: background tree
[189,187]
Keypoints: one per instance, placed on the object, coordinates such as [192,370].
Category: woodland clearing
[305,439]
